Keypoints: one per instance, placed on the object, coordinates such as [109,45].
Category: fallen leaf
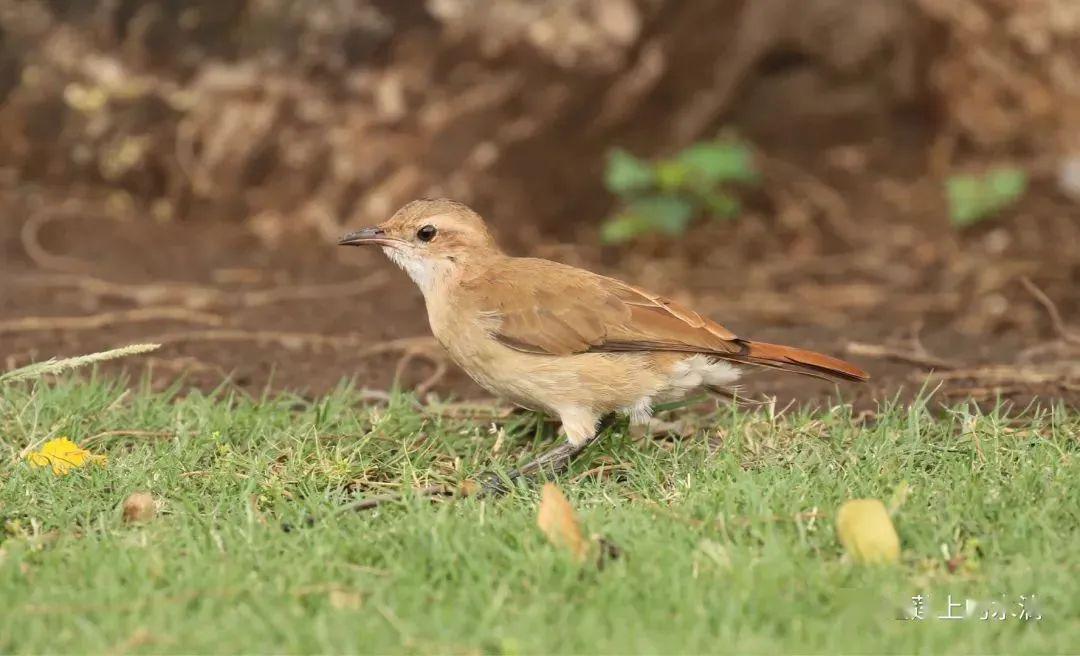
[139,507]
[867,533]
[557,520]
[63,455]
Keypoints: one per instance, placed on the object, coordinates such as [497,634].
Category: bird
[563,340]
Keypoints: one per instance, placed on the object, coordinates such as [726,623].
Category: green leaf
[975,198]
[1008,184]
[664,214]
[667,214]
[722,205]
[671,175]
[713,162]
[623,228]
[627,174]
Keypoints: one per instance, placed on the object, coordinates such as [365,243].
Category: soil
[844,248]
[824,300]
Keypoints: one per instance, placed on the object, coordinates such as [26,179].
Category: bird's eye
[427,233]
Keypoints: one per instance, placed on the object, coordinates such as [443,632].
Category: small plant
[663,196]
[54,366]
[975,198]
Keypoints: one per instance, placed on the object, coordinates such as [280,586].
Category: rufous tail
[802,361]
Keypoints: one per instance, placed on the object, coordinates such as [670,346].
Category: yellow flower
[62,455]
[866,531]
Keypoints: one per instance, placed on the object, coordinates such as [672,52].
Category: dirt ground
[307,314]
[222,249]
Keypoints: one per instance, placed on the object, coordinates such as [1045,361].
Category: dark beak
[366,236]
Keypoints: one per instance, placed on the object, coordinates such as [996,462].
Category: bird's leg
[551,462]
[554,461]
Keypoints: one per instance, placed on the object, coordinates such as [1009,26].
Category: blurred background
[892,181]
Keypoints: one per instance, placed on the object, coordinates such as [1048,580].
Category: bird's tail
[801,361]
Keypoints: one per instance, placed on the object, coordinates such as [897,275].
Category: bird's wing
[543,307]
[538,306]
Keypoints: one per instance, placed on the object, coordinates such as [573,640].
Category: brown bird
[562,340]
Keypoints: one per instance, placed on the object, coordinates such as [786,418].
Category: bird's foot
[493,485]
[550,463]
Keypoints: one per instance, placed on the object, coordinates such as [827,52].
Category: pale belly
[600,382]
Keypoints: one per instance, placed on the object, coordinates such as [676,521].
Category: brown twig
[187,364]
[980,392]
[999,377]
[428,383]
[403,364]
[103,319]
[31,241]
[334,290]
[297,340]
[1046,350]
[195,296]
[916,357]
[412,346]
[198,296]
[378,396]
[1051,309]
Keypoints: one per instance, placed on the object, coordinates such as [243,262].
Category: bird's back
[548,308]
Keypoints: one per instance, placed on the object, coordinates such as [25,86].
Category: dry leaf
[139,507]
[866,531]
[62,455]
[558,522]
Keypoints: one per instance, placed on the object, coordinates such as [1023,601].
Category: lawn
[726,536]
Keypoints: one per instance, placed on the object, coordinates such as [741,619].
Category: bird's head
[429,239]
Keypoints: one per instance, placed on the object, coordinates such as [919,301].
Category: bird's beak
[375,235]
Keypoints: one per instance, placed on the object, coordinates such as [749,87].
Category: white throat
[427,273]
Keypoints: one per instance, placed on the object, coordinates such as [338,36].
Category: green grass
[721,547]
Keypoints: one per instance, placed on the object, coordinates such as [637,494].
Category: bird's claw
[494,485]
